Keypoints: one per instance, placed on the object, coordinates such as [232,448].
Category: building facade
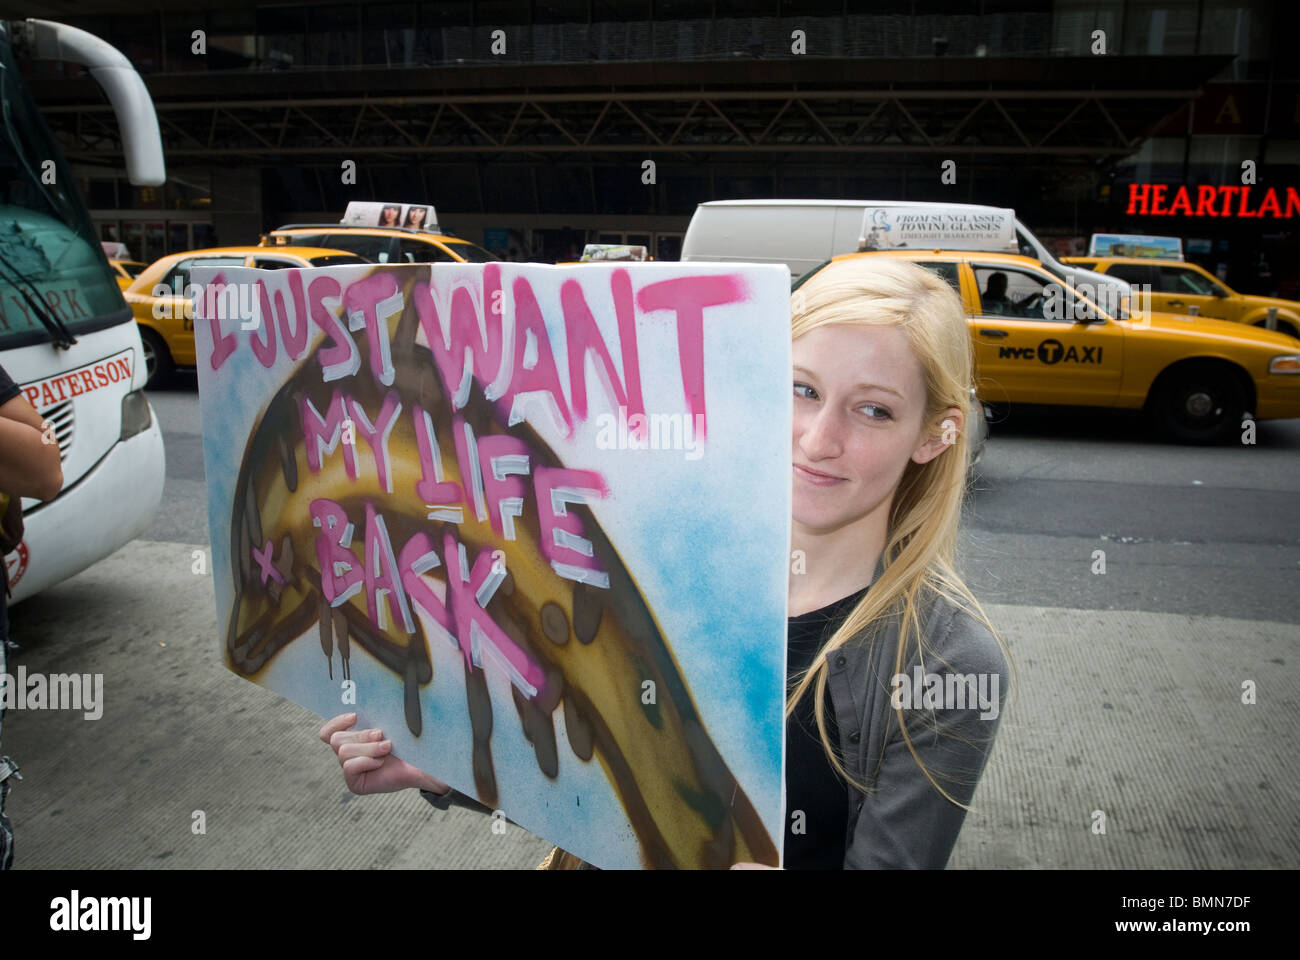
[535,127]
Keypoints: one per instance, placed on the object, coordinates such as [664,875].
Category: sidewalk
[1137,715]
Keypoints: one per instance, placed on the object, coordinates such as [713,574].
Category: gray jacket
[903,821]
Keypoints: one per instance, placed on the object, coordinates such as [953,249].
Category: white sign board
[924,227]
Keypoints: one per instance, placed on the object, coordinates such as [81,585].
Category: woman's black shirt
[817,803]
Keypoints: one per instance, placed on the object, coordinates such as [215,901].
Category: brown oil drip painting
[385,505]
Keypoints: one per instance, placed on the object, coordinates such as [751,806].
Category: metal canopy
[1079,107]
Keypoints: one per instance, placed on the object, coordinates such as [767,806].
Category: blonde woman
[897,680]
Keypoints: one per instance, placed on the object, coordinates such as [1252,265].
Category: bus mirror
[136,119]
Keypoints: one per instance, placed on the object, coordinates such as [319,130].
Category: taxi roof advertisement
[378,213]
[1135,245]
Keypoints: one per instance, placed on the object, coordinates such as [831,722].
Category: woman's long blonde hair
[921,538]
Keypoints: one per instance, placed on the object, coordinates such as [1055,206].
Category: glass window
[282,35]
[415,251]
[511,187]
[178,43]
[1159,28]
[334,34]
[138,36]
[232,40]
[617,10]
[101,194]
[469,252]
[302,240]
[366,246]
[235,260]
[205,235]
[388,36]
[500,13]
[154,244]
[668,246]
[272,263]
[178,278]
[1133,273]
[666,10]
[133,237]
[336,260]
[178,237]
[1183,280]
[447,13]
[948,271]
[1244,28]
[1008,292]
[560,11]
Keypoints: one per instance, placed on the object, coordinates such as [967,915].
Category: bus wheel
[157,359]
[1200,403]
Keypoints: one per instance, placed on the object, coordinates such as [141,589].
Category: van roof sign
[378,213]
[1135,245]
[939,226]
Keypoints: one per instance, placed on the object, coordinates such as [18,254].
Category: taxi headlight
[1290,363]
[136,416]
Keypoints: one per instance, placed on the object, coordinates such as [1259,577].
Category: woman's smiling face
[859,405]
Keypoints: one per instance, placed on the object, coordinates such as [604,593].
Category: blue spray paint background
[707,541]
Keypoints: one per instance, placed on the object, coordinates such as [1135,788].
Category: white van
[805,233]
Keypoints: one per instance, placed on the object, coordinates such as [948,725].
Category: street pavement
[1126,741]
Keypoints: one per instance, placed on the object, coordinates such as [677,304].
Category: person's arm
[905,822]
[29,466]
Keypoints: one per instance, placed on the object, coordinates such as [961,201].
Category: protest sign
[531,521]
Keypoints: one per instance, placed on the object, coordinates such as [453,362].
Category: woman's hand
[368,762]
[746,865]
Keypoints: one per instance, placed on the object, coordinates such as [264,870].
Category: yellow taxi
[1176,286]
[381,244]
[165,314]
[124,271]
[1038,341]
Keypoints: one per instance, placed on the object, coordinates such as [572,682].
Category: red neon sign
[1152,200]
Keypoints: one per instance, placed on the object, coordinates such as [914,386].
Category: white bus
[67,338]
